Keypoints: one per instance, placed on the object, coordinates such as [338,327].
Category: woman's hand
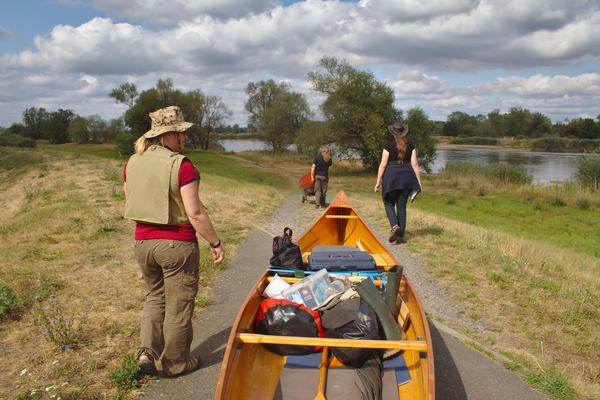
[377,186]
[218,254]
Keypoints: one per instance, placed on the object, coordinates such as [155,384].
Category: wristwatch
[214,246]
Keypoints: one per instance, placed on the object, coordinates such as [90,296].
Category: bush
[585,145]
[11,140]
[558,202]
[583,204]
[508,173]
[550,143]
[8,301]
[588,171]
[124,143]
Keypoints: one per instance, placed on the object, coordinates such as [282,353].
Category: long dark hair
[401,145]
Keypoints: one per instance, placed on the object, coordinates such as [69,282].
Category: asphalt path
[461,372]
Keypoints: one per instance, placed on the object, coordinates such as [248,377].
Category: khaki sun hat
[168,119]
[398,129]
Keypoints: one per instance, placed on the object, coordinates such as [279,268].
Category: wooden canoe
[250,371]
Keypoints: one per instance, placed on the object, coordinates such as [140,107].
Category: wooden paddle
[323,375]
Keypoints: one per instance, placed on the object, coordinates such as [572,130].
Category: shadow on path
[212,349]
[448,383]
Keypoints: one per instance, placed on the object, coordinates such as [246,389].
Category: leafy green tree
[438,127]
[163,95]
[420,128]
[357,107]
[191,104]
[136,117]
[34,121]
[539,125]
[496,123]
[460,123]
[115,128]
[16,128]
[312,136]
[78,130]
[582,128]
[126,93]
[57,125]
[276,111]
[97,128]
[517,122]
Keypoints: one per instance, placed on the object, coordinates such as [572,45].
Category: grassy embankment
[70,291]
[522,259]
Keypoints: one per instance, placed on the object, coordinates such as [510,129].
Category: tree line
[518,122]
[355,113]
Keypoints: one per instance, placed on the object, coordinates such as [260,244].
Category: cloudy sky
[440,55]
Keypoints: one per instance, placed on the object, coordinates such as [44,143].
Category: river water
[543,167]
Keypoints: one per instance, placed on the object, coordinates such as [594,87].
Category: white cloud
[170,11]
[219,46]
[414,82]
[96,47]
[543,86]
[410,10]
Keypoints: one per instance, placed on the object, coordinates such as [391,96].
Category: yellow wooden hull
[250,371]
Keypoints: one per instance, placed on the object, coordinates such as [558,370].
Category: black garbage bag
[286,254]
[286,318]
[351,319]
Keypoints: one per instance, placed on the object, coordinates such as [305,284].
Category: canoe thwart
[329,216]
[407,345]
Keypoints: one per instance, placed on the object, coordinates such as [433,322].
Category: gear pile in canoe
[346,325]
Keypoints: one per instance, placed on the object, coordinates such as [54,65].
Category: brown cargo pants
[171,271]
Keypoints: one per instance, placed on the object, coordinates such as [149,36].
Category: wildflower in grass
[65,332]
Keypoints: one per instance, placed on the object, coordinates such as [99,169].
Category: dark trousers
[395,208]
[320,189]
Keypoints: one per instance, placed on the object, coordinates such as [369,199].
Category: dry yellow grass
[61,231]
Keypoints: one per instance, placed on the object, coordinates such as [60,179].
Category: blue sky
[442,56]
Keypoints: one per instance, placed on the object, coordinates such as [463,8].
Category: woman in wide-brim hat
[398,176]
[161,196]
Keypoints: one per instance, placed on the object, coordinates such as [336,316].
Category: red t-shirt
[183,232]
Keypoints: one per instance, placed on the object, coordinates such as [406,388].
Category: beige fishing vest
[152,188]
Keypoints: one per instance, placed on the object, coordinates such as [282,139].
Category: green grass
[567,227]
[226,166]
[549,381]
[232,167]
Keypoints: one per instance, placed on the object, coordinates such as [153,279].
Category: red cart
[307,186]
